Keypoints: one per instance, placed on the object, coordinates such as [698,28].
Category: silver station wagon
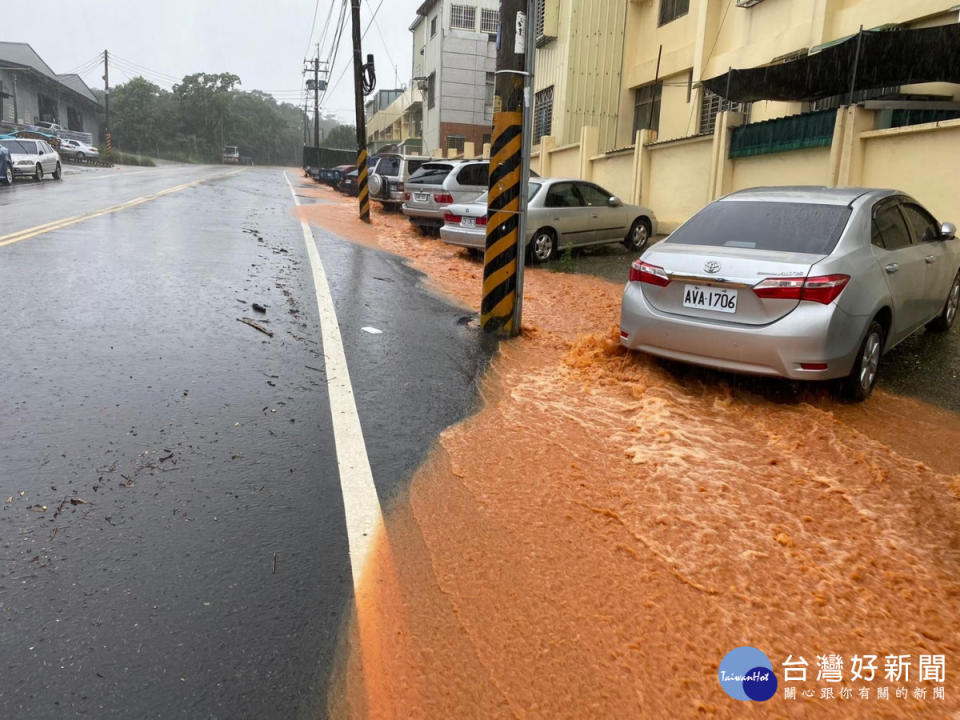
[801,283]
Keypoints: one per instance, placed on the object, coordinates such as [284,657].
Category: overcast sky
[262,42]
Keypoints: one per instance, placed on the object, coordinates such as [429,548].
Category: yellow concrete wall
[844,17]
[679,180]
[565,161]
[921,161]
[796,167]
[615,173]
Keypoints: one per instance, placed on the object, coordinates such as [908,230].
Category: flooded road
[598,537]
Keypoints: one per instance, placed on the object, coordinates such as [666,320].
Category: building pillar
[858,121]
[469,150]
[721,170]
[547,144]
[589,146]
[641,161]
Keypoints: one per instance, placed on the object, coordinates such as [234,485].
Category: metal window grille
[541,13]
[431,89]
[712,105]
[646,110]
[456,142]
[670,10]
[463,17]
[489,20]
[543,113]
[433,26]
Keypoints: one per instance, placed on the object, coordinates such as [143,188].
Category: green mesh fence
[782,134]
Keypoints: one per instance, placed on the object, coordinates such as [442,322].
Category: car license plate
[704,297]
[468,222]
[421,197]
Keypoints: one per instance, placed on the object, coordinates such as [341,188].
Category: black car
[6,167]
[348,184]
[328,176]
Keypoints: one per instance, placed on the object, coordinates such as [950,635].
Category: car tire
[58,173]
[38,173]
[943,321]
[543,246]
[79,157]
[639,235]
[863,376]
[7,178]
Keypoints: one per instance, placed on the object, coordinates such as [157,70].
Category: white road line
[360,502]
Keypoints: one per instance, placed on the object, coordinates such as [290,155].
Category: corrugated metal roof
[21,54]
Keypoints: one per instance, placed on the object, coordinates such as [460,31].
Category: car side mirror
[948,231]
[615,201]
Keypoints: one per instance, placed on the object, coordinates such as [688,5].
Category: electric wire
[362,36]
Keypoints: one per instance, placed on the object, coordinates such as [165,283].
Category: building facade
[31,92]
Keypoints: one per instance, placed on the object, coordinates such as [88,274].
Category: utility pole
[106,100]
[502,303]
[305,120]
[316,99]
[363,196]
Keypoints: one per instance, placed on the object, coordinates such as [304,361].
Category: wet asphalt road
[172,524]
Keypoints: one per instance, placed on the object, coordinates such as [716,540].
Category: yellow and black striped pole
[363,194]
[500,310]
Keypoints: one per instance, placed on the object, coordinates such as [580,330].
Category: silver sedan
[562,213]
[802,283]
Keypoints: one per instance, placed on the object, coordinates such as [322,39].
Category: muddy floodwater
[605,528]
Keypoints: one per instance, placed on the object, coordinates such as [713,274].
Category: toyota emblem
[712,267]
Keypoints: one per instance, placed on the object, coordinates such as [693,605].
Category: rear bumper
[463,238]
[424,216]
[811,333]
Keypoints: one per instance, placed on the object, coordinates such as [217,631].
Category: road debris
[257,307]
[256,326]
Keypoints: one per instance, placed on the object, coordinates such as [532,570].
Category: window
[477,174]
[463,17]
[670,10]
[431,89]
[889,228]
[543,113]
[563,195]
[456,142]
[712,105]
[594,196]
[487,137]
[921,223]
[757,225]
[489,20]
[646,111]
[431,173]
[433,26]
[540,19]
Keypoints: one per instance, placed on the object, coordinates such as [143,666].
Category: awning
[887,58]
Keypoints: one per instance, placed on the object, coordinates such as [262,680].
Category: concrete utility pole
[316,99]
[363,196]
[502,304]
[106,100]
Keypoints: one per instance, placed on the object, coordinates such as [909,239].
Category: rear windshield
[779,226]
[389,166]
[431,174]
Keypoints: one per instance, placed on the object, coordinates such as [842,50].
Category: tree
[342,136]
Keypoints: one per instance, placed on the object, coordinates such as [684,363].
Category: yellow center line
[65,222]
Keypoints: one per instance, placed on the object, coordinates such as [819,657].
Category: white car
[78,150]
[33,158]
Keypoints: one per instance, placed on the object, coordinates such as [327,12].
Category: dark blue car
[6,166]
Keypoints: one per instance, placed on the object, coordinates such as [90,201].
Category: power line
[374,17]
[313,26]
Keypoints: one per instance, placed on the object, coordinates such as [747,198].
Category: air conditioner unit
[748,3]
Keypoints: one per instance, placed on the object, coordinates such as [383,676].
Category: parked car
[6,166]
[439,183]
[388,182]
[562,213]
[33,157]
[801,283]
[50,127]
[328,176]
[78,150]
[349,182]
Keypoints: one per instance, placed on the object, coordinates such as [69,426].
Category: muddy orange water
[605,529]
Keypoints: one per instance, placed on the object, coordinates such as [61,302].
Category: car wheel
[543,246]
[7,175]
[38,173]
[859,383]
[79,157]
[948,314]
[58,173]
[639,235]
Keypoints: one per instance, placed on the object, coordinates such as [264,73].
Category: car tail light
[482,220]
[451,218]
[406,196]
[822,289]
[813,366]
[443,199]
[647,273]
